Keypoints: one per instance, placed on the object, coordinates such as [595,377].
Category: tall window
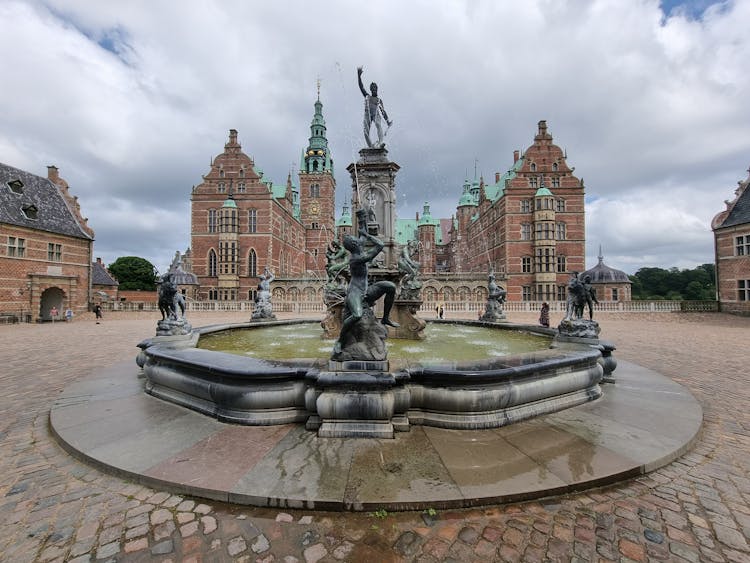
[222,187]
[525,206]
[534,182]
[228,257]
[561,264]
[212,220]
[615,294]
[525,231]
[544,258]
[526,264]
[555,182]
[543,231]
[526,293]
[228,220]
[16,247]
[54,252]
[212,263]
[213,294]
[742,245]
[560,231]
[252,220]
[241,187]
[560,204]
[561,293]
[314,190]
[252,264]
[743,290]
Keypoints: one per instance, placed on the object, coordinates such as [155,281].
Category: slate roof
[100,275]
[53,214]
[740,213]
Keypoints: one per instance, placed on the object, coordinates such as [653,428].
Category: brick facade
[529,226]
[242,223]
[46,266]
[731,229]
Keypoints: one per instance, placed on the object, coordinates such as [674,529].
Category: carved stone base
[354,404]
[579,328]
[331,324]
[493,312]
[173,327]
[365,340]
[263,311]
[405,313]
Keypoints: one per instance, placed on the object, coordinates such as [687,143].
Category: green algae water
[443,343]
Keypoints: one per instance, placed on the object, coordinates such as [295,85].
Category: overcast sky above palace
[131,100]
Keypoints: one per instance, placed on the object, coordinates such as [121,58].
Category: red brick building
[731,230]
[528,227]
[46,246]
[242,223]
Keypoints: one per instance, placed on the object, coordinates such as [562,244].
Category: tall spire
[601,256]
[317,158]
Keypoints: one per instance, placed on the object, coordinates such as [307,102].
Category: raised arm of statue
[359,79]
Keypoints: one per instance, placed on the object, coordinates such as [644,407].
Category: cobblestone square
[55,508]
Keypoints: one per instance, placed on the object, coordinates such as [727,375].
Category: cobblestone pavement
[55,508]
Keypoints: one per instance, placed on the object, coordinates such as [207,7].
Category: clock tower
[317,193]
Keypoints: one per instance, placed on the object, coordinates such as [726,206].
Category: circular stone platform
[642,422]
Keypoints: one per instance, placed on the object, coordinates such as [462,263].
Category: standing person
[98,312]
[53,313]
[69,315]
[441,311]
[544,315]
[373,110]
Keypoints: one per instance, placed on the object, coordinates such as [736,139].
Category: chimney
[53,174]
[99,260]
[516,154]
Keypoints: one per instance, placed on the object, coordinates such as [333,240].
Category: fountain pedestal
[405,313]
[357,404]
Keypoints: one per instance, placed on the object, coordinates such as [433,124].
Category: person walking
[98,312]
[69,315]
[544,315]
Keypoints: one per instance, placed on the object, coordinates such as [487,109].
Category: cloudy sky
[132,100]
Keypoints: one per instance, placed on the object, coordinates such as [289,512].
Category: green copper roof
[542,192]
[229,202]
[278,190]
[406,230]
[426,218]
[466,197]
[346,219]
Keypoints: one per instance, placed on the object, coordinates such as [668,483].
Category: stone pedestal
[173,327]
[607,361]
[405,313]
[331,323]
[357,404]
[374,189]
[493,312]
[579,328]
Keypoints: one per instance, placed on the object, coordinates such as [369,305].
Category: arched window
[221,173]
[554,166]
[242,172]
[533,167]
[252,264]
[212,262]
[213,294]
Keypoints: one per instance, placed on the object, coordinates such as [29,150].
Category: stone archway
[52,297]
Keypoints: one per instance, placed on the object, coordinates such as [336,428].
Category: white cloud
[132,101]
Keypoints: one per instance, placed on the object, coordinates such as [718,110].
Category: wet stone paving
[56,508]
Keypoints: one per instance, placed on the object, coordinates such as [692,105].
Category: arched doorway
[52,297]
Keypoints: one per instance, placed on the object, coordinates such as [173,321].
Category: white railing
[468,307]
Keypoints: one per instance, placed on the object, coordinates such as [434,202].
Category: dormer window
[533,167]
[221,173]
[30,211]
[16,186]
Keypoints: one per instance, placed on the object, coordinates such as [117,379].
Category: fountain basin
[486,393]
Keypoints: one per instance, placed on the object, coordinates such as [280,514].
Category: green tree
[134,273]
